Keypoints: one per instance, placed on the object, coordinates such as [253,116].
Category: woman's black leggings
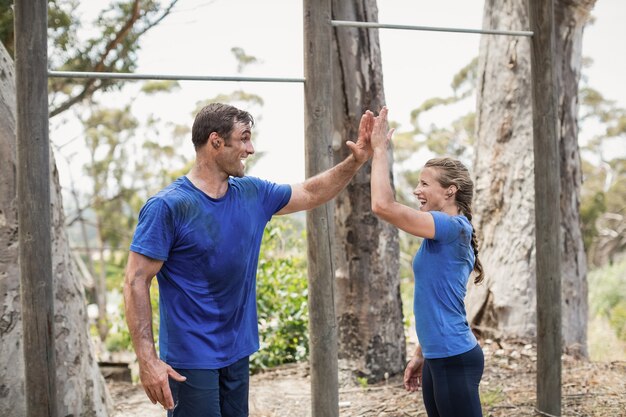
[450,385]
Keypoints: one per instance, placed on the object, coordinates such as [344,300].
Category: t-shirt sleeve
[154,234]
[447,229]
[275,197]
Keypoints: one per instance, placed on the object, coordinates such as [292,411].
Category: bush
[607,295]
[282,297]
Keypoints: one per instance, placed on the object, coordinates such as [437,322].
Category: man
[201,237]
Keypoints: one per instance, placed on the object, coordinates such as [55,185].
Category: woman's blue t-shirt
[207,285]
[442,267]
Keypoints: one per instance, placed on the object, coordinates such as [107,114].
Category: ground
[507,390]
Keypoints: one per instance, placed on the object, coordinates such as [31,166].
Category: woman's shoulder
[449,227]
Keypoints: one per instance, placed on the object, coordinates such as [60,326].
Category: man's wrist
[418,352]
[351,159]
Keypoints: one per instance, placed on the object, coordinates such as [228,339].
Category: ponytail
[478,266]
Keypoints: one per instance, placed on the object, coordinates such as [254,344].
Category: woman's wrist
[380,150]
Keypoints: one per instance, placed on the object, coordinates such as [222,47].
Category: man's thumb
[175,375]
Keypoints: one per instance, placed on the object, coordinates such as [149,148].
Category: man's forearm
[326,185]
[139,319]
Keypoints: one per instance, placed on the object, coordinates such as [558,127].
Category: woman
[448,362]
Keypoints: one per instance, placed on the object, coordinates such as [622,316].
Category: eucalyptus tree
[504,204]
[366,249]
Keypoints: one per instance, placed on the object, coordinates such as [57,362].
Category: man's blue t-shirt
[207,285]
[442,267]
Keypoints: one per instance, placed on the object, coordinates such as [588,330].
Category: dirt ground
[507,390]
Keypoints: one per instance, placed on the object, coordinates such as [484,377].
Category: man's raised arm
[325,186]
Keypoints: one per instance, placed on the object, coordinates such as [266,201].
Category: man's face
[236,149]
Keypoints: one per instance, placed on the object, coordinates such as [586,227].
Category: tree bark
[369,307]
[504,305]
[82,390]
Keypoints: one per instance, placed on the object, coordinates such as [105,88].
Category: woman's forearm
[382,193]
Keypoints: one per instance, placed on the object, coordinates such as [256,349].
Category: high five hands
[374,132]
[381,134]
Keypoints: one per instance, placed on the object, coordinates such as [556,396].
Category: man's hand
[413,374]
[154,377]
[362,149]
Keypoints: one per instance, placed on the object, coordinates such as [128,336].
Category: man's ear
[215,140]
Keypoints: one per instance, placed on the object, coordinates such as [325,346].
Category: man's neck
[208,179]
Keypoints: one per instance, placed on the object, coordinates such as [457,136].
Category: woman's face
[431,195]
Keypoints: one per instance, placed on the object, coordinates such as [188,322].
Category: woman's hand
[413,374]
[362,149]
[381,134]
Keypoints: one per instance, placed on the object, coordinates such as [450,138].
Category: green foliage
[282,296]
[604,345]
[409,245]
[604,185]
[110,43]
[593,202]
[607,295]
[61,27]
[6,25]
[118,339]
[243,59]
[164,86]
[491,397]
[454,139]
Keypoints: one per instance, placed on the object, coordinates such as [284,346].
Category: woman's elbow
[379,208]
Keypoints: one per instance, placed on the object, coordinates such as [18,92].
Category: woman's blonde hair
[453,172]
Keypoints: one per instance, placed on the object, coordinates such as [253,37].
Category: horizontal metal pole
[132,76]
[376,25]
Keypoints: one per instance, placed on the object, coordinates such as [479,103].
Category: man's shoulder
[172,196]
[250,183]
[247,180]
[175,190]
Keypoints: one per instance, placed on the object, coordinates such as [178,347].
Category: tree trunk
[504,304]
[369,307]
[101,287]
[81,391]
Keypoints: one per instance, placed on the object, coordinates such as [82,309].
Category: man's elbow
[132,280]
[127,288]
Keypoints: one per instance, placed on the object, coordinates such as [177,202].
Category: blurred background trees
[125,155]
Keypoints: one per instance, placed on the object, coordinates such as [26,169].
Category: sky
[196,39]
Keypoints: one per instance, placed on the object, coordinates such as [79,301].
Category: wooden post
[318,131]
[33,195]
[547,207]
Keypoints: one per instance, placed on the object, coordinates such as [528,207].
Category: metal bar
[132,76]
[376,25]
